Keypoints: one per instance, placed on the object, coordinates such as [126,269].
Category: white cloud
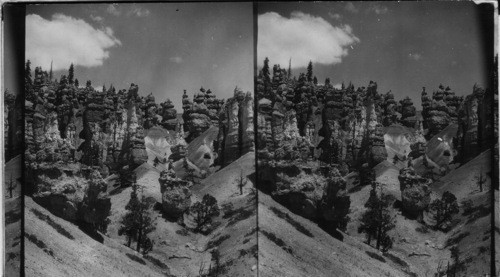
[415,56]
[351,8]
[377,9]
[337,86]
[301,37]
[335,16]
[113,9]
[65,40]
[139,12]
[176,59]
[96,18]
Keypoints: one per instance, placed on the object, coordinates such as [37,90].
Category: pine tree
[315,80]
[327,82]
[266,74]
[77,83]
[51,75]
[129,220]
[71,74]
[144,225]
[137,222]
[204,211]
[309,72]
[377,221]
[444,209]
[27,73]
[289,68]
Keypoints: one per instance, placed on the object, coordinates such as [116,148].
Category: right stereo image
[376,145]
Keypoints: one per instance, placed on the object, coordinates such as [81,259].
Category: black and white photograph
[242,139]
[139,156]
[374,140]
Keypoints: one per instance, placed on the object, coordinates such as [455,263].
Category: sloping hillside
[12,217]
[294,246]
[54,247]
[185,252]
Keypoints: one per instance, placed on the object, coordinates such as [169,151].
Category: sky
[164,48]
[402,46]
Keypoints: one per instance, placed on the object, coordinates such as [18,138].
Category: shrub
[135,258]
[52,223]
[204,211]
[241,214]
[422,229]
[272,237]
[375,256]
[218,241]
[299,227]
[456,239]
[444,209]
[156,262]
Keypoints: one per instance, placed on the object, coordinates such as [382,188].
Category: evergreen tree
[309,72]
[481,180]
[204,211]
[444,209]
[77,83]
[144,226]
[315,80]
[377,221]
[128,223]
[71,74]
[137,223]
[88,84]
[396,159]
[51,75]
[266,74]
[104,88]
[27,73]
[327,82]
[289,68]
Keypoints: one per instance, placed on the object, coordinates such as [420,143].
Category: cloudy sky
[401,46]
[162,47]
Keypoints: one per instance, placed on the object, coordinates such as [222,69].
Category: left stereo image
[134,133]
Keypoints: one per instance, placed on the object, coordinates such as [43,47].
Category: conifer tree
[204,211]
[377,221]
[327,82]
[315,80]
[77,83]
[309,72]
[71,74]
[444,209]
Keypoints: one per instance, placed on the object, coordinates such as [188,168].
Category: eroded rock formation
[176,196]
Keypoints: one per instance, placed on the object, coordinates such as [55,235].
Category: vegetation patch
[422,229]
[156,262]
[299,227]
[240,214]
[375,256]
[52,223]
[456,239]
[182,232]
[483,249]
[12,216]
[253,231]
[478,212]
[39,243]
[135,258]
[252,250]
[396,259]
[218,241]
[246,240]
[11,256]
[272,237]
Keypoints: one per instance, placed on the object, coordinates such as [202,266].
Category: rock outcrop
[236,127]
[475,125]
[176,196]
[415,192]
